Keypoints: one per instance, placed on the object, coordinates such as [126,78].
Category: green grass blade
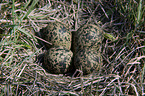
[13,20]
[30,9]
[23,31]
[26,4]
[109,36]
[139,12]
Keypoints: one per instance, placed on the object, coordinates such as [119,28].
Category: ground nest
[122,49]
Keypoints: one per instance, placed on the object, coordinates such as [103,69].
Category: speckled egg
[90,36]
[87,60]
[57,34]
[58,59]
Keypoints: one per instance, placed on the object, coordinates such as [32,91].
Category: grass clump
[123,47]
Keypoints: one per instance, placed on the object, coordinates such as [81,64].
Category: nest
[21,73]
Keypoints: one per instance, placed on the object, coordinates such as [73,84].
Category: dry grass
[123,47]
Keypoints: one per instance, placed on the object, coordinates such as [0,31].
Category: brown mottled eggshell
[58,59]
[87,60]
[57,34]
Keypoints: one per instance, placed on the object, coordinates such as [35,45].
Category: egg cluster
[85,46]
[58,57]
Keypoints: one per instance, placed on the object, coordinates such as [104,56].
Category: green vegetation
[123,47]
